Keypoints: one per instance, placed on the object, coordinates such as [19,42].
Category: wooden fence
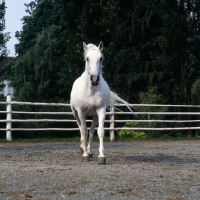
[112,121]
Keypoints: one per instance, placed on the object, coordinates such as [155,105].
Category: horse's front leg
[91,133]
[101,115]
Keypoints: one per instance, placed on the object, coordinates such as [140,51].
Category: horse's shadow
[159,158]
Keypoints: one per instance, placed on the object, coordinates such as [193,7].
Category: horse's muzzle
[94,79]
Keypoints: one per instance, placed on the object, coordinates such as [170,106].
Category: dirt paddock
[134,170]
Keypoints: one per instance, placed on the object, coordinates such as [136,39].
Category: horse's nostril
[94,79]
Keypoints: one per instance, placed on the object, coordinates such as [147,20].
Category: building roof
[5,61]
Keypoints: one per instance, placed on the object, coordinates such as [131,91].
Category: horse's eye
[101,59]
[87,59]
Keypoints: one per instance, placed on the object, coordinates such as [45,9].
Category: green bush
[131,133]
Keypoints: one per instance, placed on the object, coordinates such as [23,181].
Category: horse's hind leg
[91,133]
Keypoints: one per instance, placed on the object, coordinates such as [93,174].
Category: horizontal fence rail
[110,124]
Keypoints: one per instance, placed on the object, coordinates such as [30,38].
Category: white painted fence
[112,120]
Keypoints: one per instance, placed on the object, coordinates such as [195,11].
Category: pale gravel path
[134,170]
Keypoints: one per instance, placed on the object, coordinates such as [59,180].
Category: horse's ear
[84,46]
[100,46]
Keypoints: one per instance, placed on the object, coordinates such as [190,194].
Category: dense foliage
[37,73]
[130,133]
[151,49]
[4,37]
[147,43]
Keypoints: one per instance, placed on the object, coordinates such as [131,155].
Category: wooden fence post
[9,117]
[112,124]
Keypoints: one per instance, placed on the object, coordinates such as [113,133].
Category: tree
[147,43]
[195,91]
[37,73]
[37,69]
[41,14]
[4,37]
[181,32]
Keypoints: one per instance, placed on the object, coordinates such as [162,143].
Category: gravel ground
[134,170]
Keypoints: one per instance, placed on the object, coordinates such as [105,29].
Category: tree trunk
[189,134]
[184,86]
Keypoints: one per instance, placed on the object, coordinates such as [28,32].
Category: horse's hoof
[86,158]
[102,160]
[90,155]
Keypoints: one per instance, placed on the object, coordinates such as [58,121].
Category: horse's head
[93,61]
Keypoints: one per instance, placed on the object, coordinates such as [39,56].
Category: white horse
[90,96]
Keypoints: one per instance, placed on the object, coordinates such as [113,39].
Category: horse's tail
[115,99]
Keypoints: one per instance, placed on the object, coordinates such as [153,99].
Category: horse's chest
[92,104]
